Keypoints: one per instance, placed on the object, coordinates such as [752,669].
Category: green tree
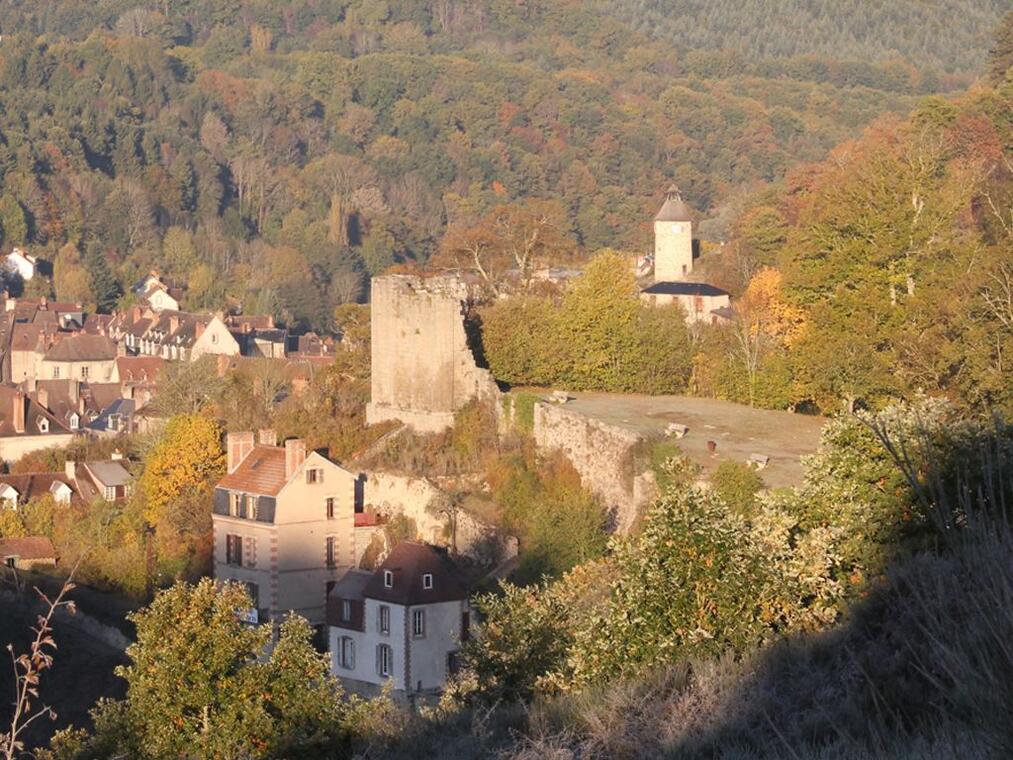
[13,223]
[201,683]
[1000,57]
[688,584]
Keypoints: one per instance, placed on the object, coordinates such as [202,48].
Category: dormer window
[427,581]
[388,579]
[75,421]
[43,425]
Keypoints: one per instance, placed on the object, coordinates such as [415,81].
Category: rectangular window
[383,621]
[427,581]
[453,663]
[110,493]
[233,549]
[465,626]
[346,653]
[314,475]
[383,660]
[330,507]
[418,623]
[331,556]
[254,592]
[250,551]
[388,579]
[84,373]
[251,507]
[346,610]
[56,373]
[235,502]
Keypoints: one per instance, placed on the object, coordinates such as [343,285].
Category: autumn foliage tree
[200,683]
[176,485]
[509,243]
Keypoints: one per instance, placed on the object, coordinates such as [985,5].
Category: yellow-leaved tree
[176,487]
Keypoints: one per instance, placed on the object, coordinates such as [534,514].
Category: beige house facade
[215,339]
[284,525]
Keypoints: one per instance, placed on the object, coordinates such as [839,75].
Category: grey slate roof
[684,289]
[674,209]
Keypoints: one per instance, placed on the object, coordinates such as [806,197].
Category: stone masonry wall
[601,454]
[423,370]
[393,494]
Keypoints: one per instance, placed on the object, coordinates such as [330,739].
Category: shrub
[737,484]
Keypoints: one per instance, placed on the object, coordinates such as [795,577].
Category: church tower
[673,239]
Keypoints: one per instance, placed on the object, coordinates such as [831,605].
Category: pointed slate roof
[674,209]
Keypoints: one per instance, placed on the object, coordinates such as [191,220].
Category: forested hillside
[951,37]
[275,155]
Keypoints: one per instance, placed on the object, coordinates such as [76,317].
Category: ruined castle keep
[423,369]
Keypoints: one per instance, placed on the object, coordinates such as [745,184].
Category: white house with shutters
[404,623]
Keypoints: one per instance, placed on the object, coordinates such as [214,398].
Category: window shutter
[379,670]
[250,548]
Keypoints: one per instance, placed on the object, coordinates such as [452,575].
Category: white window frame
[346,610]
[427,581]
[346,653]
[383,619]
[384,660]
[388,579]
[418,624]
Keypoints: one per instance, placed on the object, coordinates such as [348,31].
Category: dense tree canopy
[274,155]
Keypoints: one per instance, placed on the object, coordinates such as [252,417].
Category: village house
[26,426]
[673,267]
[404,623]
[157,293]
[79,406]
[27,553]
[17,490]
[284,525]
[79,483]
[88,358]
[23,264]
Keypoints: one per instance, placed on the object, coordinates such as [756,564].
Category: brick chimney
[268,437]
[238,447]
[295,455]
[42,396]
[18,412]
[70,469]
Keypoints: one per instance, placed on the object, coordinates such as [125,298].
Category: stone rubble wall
[602,454]
[392,494]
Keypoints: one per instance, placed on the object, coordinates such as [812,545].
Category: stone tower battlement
[423,368]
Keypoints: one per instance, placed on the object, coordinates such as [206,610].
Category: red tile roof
[137,369]
[29,547]
[262,472]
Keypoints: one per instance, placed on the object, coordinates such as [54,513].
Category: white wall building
[22,263]
[402,623]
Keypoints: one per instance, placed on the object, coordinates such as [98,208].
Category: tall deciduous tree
[201,683]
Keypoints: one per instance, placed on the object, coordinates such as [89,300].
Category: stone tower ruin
[423,368]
